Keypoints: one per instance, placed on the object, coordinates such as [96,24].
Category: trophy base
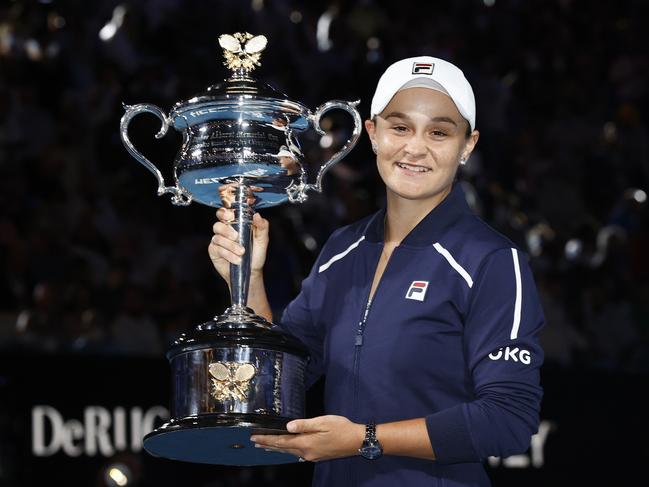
[218,439]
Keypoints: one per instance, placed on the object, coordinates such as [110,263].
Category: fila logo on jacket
[417,290]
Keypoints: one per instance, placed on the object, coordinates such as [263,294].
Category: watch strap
[371,448]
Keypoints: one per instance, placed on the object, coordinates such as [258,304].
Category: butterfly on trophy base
[231,380]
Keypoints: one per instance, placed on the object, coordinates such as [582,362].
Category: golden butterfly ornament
[242,50]
[231,380]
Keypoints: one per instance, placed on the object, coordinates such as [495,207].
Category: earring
[463,161]
[374,148]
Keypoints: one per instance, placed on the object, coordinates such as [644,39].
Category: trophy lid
[240,95]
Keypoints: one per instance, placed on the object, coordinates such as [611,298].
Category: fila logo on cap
[422,68]
[417,290]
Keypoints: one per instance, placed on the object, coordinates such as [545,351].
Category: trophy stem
[240,274]
[239,315]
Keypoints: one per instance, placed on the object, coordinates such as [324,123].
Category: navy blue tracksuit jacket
[451,335]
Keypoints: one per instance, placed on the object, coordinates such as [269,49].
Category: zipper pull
[361,325]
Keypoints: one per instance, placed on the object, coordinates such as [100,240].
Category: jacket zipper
[358,337]
[358,343]
[360,329]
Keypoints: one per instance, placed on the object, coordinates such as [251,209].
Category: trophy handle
[297,193]
[179,197]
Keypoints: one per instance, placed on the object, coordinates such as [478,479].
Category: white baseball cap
[427,72]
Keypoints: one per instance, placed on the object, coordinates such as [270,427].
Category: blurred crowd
[92,261]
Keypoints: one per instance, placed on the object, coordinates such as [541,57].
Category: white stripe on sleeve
[519,296]
[339,256]
[465,275]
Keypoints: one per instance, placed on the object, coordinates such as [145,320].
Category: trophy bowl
[236,374]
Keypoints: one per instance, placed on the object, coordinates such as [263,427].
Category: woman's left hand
[316,439]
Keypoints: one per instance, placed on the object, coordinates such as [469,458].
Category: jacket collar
[440,218]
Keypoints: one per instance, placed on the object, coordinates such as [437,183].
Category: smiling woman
[407,311]
[420,139]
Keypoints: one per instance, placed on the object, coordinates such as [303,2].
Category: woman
[423,319]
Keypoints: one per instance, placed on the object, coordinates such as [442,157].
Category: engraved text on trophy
[231,142]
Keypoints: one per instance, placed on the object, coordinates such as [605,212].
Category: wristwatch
[371,448]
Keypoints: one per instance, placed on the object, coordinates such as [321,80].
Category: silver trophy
[237,374]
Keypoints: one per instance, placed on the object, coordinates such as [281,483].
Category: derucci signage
[99,431]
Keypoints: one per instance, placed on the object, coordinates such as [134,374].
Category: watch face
[371,451]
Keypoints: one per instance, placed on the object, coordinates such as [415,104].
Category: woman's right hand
[224,248]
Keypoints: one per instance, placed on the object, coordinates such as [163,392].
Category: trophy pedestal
[231,378]
[222,439]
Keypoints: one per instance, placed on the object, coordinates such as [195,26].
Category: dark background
[98,275]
